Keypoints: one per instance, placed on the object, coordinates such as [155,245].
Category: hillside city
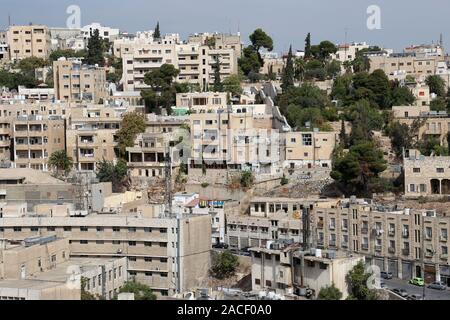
[149,167]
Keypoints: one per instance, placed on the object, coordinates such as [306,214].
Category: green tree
[67,53]
[436,84]
[355,170]
[232,84]
[107,171]
[300,68]
[224,265]
[157,32]
[163,89]
[288,72]
[141,291]
[357,279]
[329,293]
[307,95]
[95,54]
[247,179]
[249,62]
[308,46]
[333,69]
[401,138]
[326,48]
[13,80]
[402,96]
[259,40]
[60,161]
[28,65]
[133,123]
[343,135]
[218,86]
[314,69]
[438,104]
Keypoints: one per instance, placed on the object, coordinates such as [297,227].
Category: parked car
[414,297]
[386,275]
[437,286]
[220,246]
[417,281]
[400,292]
[382,284]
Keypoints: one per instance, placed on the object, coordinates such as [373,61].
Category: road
[430,294]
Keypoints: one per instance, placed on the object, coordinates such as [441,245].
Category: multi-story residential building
[127,45]
[403,64]
[195,59]
[310,149]
[43,265]
[168,254]
[36,137]
[74,81]
[90,134]
[284,268]
[106,33]
[236,136]
[406,242]
[426,176]
[4,52]
[426,50]
[29,41]
[347,51]
[219,41]
[36,94]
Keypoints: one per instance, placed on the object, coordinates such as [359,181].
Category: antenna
[9,20]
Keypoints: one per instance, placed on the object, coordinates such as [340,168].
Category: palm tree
[61,161]
[300,69]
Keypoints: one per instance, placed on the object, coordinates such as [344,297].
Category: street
[430,294]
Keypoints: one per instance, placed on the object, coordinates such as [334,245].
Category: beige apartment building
[283,267]
[405,64]
[29,41]
[310,149]
[195,61]
[74,81]
[36,137]
[394,239]
[167,254]
[425,176]
[90,134]
[40,268]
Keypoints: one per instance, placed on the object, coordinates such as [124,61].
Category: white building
[104,32]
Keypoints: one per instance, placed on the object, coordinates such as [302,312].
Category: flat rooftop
[30,176]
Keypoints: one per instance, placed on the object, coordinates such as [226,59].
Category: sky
[403,22]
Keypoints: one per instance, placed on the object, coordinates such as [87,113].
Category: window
[257,281]
[83,229]
[416,170]
[17,229]
[83,242]
[440,170]
[67,229]
[116,229]
[307,139]
[132,243]
[100,229]
[132,229]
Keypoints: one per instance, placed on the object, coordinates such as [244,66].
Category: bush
[224,265]
[330,293]
[284,181]
[205,185]
[247,179]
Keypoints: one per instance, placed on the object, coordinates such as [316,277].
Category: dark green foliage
[96,48]
[157,32]
[308,53]
[329,293]
[67,53]
[247,179]
[224,265]
[141,291]
[357,169]
[218,87]
[133,123]
[436,84]
[357,279]
[288,72]
[116,174]
[61,161]
[13,80]
[284,181]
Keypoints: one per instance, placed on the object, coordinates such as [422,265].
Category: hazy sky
[403,22]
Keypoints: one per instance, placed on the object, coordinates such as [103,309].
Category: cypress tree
[95,50]
[218,87]
[288,72]
[157,32]
[308,46]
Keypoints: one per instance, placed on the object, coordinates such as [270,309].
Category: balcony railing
[365,246]
[377,248]
[391,233]
[405,234]
[443,239]
[405,252]
[364,230]
[332,243]
[391,250]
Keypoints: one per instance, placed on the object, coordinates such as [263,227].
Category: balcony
[364,230]
[405,234]
[391,233]
[332,243]
[428,254]
[444,256]
[391,250]
[443,239]
[344,229]
[365,246]
[378,248]
[320,242]
[344,244]
[320,225]
[405,252]
[332,227]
